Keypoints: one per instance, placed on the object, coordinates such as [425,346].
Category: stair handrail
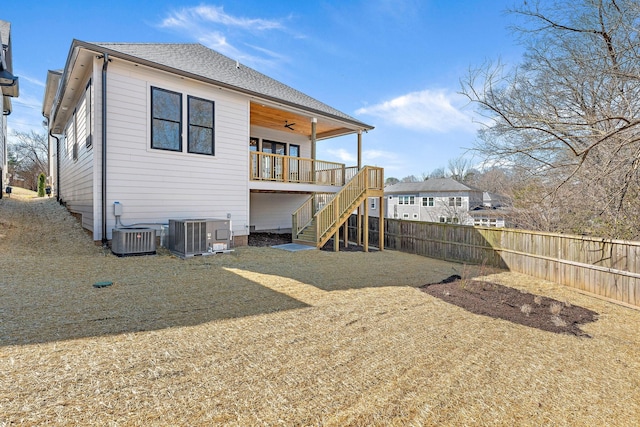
[368,178]
[336,205]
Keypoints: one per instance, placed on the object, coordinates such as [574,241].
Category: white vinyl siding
[76,161]
[272,211]
[154,186]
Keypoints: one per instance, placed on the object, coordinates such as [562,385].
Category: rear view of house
[153,132]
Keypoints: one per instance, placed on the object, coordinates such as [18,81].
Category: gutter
[105,64]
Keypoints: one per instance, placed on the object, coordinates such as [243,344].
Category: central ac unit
[194,237]
[133,241]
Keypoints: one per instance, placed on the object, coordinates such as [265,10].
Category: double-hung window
[406,200]
[200,139]
[455,201]
[427,201]
[166,120]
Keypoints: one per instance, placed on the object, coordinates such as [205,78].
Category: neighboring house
[179,131]
[8,90]
[434,200]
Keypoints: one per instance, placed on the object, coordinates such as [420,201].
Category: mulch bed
[269,239]
[502,302]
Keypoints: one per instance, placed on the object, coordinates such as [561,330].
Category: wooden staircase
[320,218]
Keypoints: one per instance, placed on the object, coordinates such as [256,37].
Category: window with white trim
[455,201]
[428,201]
[406,200]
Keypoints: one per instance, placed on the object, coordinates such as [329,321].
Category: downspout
[57,165]
[57,184]
[104,148]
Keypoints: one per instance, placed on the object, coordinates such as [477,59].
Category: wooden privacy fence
[603,267]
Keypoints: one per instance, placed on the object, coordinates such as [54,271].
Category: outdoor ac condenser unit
[194,237]
[133,241]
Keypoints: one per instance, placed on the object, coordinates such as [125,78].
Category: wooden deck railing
[303,216]
[280,168]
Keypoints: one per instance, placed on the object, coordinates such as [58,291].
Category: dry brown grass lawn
[268,337]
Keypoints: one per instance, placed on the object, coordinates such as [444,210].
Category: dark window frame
[87,108]
[74,149]
[270,143]
[212,128]
[179,122]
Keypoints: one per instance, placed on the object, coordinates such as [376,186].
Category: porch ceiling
[275,118]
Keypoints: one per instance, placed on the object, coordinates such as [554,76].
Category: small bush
[42,179]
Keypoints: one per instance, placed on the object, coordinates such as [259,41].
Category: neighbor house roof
[199,62]
[431,185]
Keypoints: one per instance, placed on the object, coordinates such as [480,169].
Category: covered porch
[282,159]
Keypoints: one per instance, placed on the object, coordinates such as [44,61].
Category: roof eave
[114,53]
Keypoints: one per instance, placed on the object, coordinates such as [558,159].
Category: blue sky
[394,64]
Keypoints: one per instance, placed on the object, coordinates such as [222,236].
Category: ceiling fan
[289,125]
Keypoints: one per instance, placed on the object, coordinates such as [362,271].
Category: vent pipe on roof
[105,58]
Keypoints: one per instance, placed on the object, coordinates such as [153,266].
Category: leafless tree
[568,117]
[437,173]
[460,168]
[29,150]
[410,178]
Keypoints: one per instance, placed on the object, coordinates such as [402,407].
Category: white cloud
[188,16]
[428,110]
[212,27]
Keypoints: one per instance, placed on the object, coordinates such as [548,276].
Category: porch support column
[359,149]
[314,123]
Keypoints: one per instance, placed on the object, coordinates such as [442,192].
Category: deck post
[336,236]
[381,224]
[359,225]
[366,226]
[345,233]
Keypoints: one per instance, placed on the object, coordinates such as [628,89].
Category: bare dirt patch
[502,302]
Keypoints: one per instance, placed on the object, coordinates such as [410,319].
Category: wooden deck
[280,168]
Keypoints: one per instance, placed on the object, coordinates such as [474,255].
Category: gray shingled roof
[197,60]
[430,185]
